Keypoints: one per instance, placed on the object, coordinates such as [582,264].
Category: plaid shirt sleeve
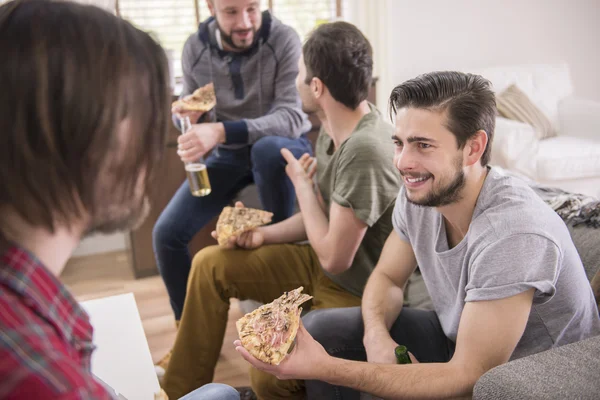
[36,363]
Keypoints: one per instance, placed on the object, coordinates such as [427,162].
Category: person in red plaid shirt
[84,112]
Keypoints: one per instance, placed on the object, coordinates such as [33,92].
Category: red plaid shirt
[45,335]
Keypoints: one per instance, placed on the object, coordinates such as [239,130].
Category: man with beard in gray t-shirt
[505,278]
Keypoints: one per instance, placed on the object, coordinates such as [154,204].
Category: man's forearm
[389,381]
[290,230]
[316,223]
[381,304]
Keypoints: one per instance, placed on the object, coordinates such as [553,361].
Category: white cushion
[545,84]
[566,157]
[514,146]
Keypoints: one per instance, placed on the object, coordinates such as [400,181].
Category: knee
[162,232]
[324,325]
[266,153]
[214,391]
[206,261]
[169,233]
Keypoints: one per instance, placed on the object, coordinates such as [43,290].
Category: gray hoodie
[255,89]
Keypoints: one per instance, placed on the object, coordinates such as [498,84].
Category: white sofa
[571,160]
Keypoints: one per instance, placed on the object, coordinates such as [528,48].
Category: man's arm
[384,295]
[336,240]
[290,230]
[488,334]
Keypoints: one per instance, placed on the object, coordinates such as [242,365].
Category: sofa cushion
[545,84]
[513,104]
[567,372]
[565,157]
[587,242]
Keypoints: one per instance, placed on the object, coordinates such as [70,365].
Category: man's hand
[179,112]
[300,171]
[248,240]
[199,140]
[306,361]
[380,348]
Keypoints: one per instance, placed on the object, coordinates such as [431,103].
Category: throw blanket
[572,207]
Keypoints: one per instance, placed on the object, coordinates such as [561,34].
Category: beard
[228,38]
[445,194]
[119,217]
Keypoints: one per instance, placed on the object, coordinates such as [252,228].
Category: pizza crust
[203,99]
[234,221]
[269,331]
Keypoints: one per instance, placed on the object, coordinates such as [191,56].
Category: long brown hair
[71,75]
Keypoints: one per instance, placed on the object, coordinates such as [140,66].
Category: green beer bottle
[402,356]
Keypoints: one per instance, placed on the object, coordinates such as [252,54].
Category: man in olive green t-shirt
[346,217]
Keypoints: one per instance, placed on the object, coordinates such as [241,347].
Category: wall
[101,244]
[432,35]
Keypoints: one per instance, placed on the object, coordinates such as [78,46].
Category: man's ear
[211,7]
[475,147]
[317,87]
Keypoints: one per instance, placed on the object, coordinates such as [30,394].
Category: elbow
[335,266]
[467,374]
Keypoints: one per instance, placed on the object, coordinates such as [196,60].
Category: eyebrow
[412,139]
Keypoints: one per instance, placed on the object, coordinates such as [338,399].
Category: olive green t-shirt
[360,174]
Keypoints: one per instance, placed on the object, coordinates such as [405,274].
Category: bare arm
[288,231]
[335,240]
[383,296]
[485,340]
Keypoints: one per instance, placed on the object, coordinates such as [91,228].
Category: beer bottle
[402,356]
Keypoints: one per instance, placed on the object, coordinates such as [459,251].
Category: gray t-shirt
[360,175]
[515,242]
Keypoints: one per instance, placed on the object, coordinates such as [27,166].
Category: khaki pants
[263,275]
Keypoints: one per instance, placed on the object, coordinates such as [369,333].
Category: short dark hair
[341,56]
[468,99]
[71,76]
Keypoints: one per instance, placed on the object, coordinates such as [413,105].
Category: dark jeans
[229,172]
[340,331]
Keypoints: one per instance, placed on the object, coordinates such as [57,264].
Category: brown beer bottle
[402,356]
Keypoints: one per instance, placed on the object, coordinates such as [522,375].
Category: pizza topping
[268,332]
[203,99]
[234,221]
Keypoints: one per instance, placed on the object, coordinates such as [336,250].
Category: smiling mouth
[415,180]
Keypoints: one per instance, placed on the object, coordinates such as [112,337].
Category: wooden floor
[91,277]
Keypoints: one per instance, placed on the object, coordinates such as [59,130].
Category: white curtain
[370,16]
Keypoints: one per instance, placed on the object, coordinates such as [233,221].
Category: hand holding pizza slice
[268,332]
[234,221]
[202,100]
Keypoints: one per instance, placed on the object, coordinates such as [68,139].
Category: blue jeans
[213,391]
[229,172]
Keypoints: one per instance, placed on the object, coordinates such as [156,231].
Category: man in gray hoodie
[252,59]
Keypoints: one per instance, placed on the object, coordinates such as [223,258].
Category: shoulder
[193,46]
[283,36]
[36,360]
[371,141]
[510,208]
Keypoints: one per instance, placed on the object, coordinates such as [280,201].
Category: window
[172,21]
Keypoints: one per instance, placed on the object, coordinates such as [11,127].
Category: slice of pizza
[203,99]
[269,331]
[234,221]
